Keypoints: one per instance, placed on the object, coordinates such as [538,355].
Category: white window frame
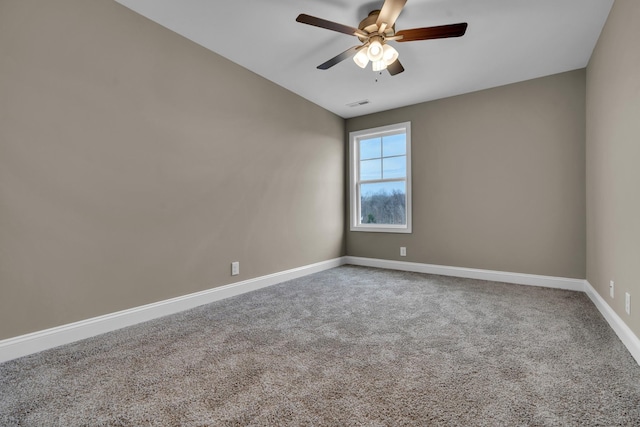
[354,174]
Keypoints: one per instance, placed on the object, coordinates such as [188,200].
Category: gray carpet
[348,346]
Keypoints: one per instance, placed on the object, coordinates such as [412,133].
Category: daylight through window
[381,179]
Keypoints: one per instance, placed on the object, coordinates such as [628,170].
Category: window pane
[394,167]
[394,145]
[383,203]
[370,169]
[371,148]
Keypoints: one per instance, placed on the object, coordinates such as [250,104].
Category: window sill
[381,229]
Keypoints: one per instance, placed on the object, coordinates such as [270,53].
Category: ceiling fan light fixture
[375,50]
[378,65]
[389,54]
[377,29]
[361,59]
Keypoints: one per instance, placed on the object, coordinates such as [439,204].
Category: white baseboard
[472,273]
[626,335]
[23,345]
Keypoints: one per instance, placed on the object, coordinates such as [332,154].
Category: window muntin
[381,179]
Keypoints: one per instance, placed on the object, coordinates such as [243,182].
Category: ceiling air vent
[358,103]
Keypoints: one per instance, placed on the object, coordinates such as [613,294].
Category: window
[380,179]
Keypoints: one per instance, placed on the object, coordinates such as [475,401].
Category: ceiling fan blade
[339,58]
[429,33]
[390,11]
[395,67]
[329,25]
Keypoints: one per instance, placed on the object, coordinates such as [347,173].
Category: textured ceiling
[507,41]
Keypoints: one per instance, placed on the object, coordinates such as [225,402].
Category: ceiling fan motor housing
[369,25]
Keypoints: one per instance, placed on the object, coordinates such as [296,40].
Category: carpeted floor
[348,346]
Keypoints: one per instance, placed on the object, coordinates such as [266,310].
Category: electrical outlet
[235,268]
[627,302]
[611,285]
[403,251]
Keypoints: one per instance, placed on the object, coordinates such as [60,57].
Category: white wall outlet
[627,302]
[403,251]
[611,285]
[235,268]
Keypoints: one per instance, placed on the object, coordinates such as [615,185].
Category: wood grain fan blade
[339,58]
[329,25]
[395,67]
[429,33]
[390,11]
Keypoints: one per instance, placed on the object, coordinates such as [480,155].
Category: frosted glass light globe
[361,58]
[389,54]
[375,51]
[379,65]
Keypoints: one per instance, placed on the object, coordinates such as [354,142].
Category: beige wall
[613,161]
[498,180]
[136,165]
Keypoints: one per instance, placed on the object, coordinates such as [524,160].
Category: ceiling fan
[375,31]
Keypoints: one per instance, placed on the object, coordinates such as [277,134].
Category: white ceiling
[507,41]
